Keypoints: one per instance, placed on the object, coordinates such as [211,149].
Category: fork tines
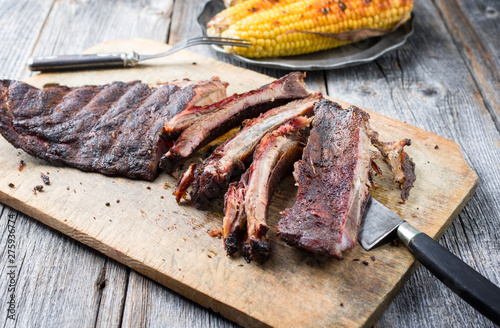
[223,41]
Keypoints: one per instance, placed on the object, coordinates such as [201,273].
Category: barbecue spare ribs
[246,202]
[200,126]
[213,176]
[134,129]
[333,178]
[110,129]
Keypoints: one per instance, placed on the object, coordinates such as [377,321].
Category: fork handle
[74,62]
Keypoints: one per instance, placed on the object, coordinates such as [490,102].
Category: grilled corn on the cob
[229,3]
[292,27]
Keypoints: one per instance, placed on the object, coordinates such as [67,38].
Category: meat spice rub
[110,129]
[213,176]
[333,177]
[218,119]
[246,203]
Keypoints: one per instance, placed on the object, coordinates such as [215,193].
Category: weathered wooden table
[445,79]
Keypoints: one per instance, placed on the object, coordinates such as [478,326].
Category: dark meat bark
[111,129]
[246,203]
[401,164]
[214,174]
[231,114]
[333,178]
[183,120]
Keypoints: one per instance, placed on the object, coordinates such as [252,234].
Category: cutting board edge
[415,265]
[371,320]
[202,298]
[472,190]
[209,302]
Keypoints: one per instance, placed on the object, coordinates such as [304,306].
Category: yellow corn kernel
[238,11]
[277,27]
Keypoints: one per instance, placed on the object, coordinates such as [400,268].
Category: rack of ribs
[213,175]
[333,178]
[112,129]
[246,202]
[215,120]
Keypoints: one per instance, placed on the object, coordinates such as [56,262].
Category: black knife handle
[464,281]
[73,62]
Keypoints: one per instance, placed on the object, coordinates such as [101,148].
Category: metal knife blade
[380,223]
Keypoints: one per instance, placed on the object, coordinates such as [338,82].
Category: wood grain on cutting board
[145,229]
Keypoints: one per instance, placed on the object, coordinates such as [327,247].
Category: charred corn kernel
[238,11]
[296,27]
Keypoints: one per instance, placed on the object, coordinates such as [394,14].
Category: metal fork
[122,59]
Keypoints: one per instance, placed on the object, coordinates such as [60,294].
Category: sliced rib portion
[183,120]
[231,114]
[111,129]
[214,174]
[333,178]
[235,219]
[201,93]
[246,203]
[400,163]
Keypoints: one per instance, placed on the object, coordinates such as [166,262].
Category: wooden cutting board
[139,224]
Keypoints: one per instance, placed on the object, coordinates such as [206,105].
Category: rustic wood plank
[112,283]
[206,279]
[56,277]
[474,27]
[20,26]
[148,19]
[149,304]
[399,317]
[426,83]
[73,26]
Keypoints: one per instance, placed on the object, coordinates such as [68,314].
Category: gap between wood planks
[124,298]
[485,63]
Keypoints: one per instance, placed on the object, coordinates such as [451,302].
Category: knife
[381,224]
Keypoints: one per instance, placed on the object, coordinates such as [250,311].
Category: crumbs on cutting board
[45,178]
[38,188]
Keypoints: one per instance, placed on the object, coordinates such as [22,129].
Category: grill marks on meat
[231,114]
[400,163]
[214,174]
[246,203]
[111,129]
[333,177]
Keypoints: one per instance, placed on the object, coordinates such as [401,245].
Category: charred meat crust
[399,161]
[246,203]
[231,114]
[180,122]
[333,179]
[408,167]
[111,129]
[227,160]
